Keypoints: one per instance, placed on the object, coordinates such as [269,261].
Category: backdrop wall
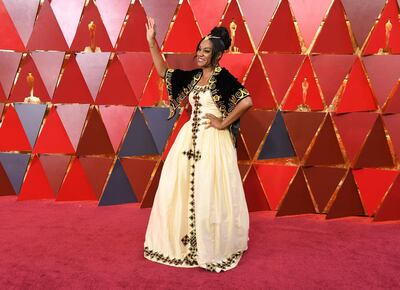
[324,77]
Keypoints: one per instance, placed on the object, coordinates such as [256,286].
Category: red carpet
[47,244]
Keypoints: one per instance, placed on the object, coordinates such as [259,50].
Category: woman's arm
[158,61]
[237,112]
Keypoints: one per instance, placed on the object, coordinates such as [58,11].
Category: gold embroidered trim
[191,261]
[224,264]
[174,103]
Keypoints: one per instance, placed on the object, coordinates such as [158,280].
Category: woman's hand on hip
[213,121]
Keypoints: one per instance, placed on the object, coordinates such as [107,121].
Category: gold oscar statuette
[92,38]
[388,30]
[30,79]
[304,107]
[233,27]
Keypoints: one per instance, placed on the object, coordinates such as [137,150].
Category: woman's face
[203,54]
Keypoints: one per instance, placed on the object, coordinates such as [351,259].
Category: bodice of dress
[205,103]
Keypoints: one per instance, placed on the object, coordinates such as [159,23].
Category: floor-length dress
[199,216]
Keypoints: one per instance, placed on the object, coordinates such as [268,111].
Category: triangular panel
[133,37]
[94,139]
[377,41]
[137,66]
[68,14]
[12,134]
[353,139]
[373,184]
[96,169]
[275,180]
[49,65]
[298,198]
[159,126]
[118,189]
[46,143]
[72,87]
[31,116]
[21,88]
[76,185]
[382,83]
[36,185]
[184,34]
[309,14]
[148,198]
[389,209]
[258,87]
[23,14]
[93,67]
[331,71]
[135,145]
[302,126]
[46,24]
[277,144]
[163,11]
[6,187]
[208,16]
[116,88]
[347,201]
[357,95]
[254,126]
[304,91]
[9,62]
[116,120]
[73,117]
[241,40]
[323,182]
[9,38]
[139,173]
[376,152]
[55,167]
[113,14]
[281,69]
[281,24]
[255,196]
[257,14]
[334,36]
[81,39]
[326,149]
[15,166]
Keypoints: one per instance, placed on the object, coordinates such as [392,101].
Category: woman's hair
[221,41]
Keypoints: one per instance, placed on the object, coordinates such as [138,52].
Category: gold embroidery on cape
[174,103]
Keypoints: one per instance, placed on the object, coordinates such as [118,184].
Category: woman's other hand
[150,31]
[213,121]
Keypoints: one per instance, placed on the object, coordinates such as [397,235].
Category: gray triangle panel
[278,144]
[15,167]
[118,189]
[31,116]
[159,126]
[139,140]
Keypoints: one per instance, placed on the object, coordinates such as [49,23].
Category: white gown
[199,216]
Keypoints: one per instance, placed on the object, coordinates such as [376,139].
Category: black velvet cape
[226,91]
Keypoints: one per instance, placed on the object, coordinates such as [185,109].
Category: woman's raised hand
[150,30]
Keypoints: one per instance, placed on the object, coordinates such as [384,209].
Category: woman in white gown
[199,216]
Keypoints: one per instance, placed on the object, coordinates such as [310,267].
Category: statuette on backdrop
[233,27]
[161,102]
[30,79]
[388,30]
[92,38]
[304,107]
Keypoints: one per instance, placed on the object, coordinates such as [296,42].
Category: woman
[199,216]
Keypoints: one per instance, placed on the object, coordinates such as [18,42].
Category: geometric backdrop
[324,76]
